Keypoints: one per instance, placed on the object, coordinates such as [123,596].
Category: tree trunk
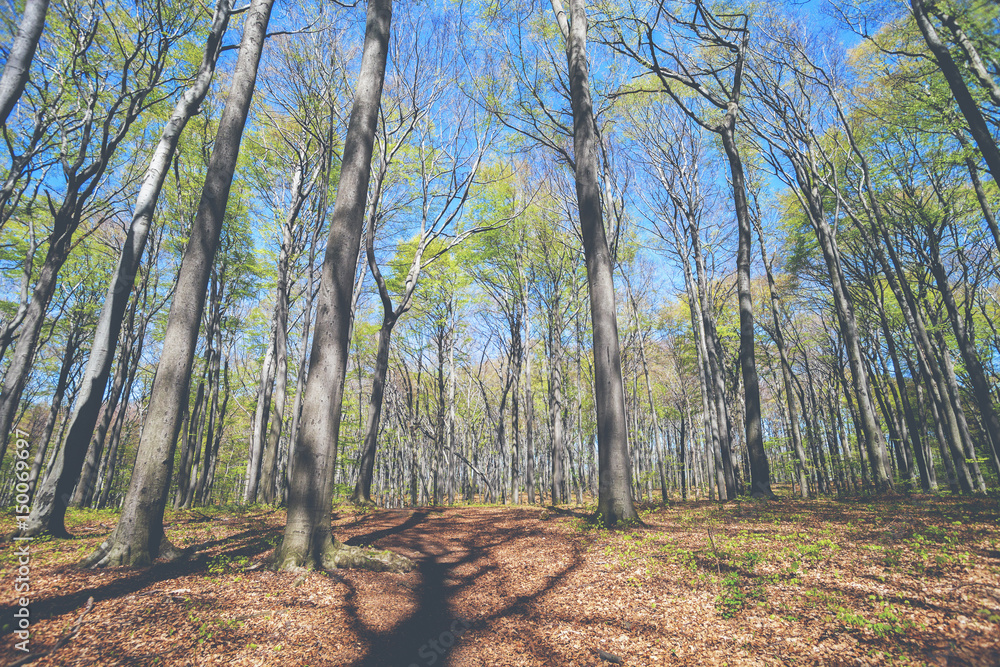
[105,473]
[760,471]
[139,538]
[615,490]
[363,488]
[69,359]
[308,541]
[48,512]
[22,52]
[801,463]
[190,440]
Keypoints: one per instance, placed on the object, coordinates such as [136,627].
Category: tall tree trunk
[205,479]
[953,75]
[268,486]
[760,471]
[614,502]
[112,431]
[50,505]
[83,494]
[657,445]
[308,541]
[965,457]
[515,408]
[139,538]
[22,52]
[450,424]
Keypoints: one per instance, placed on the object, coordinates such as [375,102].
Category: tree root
[340,556]
[113,553]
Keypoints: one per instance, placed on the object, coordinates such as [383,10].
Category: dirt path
[822,583]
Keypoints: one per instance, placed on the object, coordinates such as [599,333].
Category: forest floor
[903,581]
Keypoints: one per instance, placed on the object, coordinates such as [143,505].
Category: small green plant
[887,620]
[732,598]
[223,564]
[989,615]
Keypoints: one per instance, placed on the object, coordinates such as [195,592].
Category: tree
[138,538]
[18,66]
[682,201]
[715,47]
[49,508]
[786,126]
[614,501]
[308,540]
[447,159]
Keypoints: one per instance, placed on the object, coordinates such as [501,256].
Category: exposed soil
[903,581]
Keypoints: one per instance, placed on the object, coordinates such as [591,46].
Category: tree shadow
[366,540]
[427,635]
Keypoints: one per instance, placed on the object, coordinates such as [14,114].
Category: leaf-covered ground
[907,581]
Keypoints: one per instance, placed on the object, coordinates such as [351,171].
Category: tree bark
[22,52]
[139,538]
[615,501]
[308,541]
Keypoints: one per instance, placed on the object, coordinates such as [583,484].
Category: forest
[391,299]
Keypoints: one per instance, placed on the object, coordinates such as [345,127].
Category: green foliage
[732,598]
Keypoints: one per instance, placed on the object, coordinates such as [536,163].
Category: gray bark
[615,501]
[308,541]
[138,537]
[22,52]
